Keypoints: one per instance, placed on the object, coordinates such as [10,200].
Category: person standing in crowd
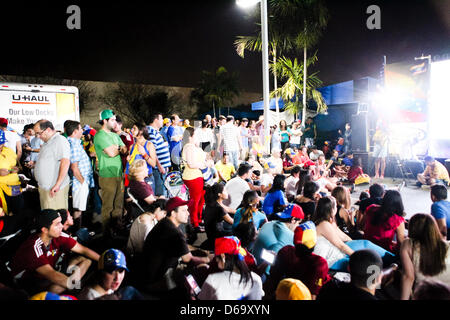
[165,128]
[252,132]
[33,265]
[205,137]
[162,154]
[380,151]
[440,209]
[175,135]
[126,138]
[82,173]
[108,147]
[11,198]
[245,137]
[435,173]
[195,160]
[13,140]
[26,137]
[285,135]
[260,129]
[219,143]
[424,254]
[208,119]
[52,166]
[309,132]
[232,142]
[275,138]
[296,134]
[347,138]
[225,169]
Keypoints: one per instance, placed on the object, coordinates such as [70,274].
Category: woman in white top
[296,134]
[235,281]
[333,244]
[424,255]
[205,137]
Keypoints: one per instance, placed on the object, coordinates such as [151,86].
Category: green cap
[106,114]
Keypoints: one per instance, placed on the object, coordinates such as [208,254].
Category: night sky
[170,43]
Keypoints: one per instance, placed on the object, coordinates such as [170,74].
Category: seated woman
[140,189]
[143,224]
[235,281]
[308,199]
[302,159]
[424,255]
[214,215]
[333,244]
[337,169]
[321,175]
[275,200]
[355,173]
[248,211]
[345,216]
[287,161]
[383,222]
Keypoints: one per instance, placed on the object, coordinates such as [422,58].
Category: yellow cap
[166,120]
[292,289]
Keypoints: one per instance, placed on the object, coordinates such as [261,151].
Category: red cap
[92,132]
[174,203]
[4,121]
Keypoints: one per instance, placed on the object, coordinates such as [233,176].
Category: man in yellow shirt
[225,169]
[435,173]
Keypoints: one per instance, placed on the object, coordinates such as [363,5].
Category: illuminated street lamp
[265,64]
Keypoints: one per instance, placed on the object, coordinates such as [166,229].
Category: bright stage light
[246,3]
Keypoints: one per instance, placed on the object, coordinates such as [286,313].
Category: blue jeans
[160,189]
[234,157]
[355,245]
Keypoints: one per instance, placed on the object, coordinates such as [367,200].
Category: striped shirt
[77,154]
[230,134]
[161,147]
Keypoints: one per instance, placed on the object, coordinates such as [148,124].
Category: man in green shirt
[108,147]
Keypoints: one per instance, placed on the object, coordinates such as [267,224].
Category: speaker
[360,134]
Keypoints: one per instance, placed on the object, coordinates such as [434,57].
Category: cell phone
[268,256]
[193,284]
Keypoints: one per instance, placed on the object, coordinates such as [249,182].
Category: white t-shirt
[289,186]
[236,188]
[295,139]
[266,180]
[12,138]
[313,156]
[138,232]
[225,286]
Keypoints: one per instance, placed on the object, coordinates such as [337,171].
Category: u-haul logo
[29,99]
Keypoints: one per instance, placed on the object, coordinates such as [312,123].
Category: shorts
[80,197]
[380,151]
[59,201]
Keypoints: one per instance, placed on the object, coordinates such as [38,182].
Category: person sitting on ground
[355,173]
[340,147]
[432,290]
[235,281]
[276,234]
[385,221]
[140,189]
[435,173]
[108,278]
[287,161]
[348,160]
[225,169]
[307,201]
[248,211]
[302,159]
[440,209]
[275,200]
[214,215]
[290,184]
[257,148]
[345,216]
[266,180]
[334,245]
[376,194]
[34,262]
[143,224]
[336,167]
[299,262]
[277,161]
[424,255]
[292,289]
[321,176]
[365,272]
[164,247]
[315,153]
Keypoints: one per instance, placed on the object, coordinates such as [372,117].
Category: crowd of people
[89,214]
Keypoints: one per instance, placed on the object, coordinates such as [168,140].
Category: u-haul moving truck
[23,103]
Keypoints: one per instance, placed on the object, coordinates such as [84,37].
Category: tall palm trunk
[305,52]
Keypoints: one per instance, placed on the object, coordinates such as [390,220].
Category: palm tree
[293,73]
[215,89]
[304,22]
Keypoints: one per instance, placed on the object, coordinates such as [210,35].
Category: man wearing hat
[278,233]
[33,265]
[108,147]
[299,262]
[52,167]
[165,128]
[163,248]
[13,140]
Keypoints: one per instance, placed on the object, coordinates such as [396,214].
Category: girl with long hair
[275,200]
[345,217]
[308,196]
[424,255]
[285,133]
[248,211]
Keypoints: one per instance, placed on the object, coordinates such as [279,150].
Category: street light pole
[265,66]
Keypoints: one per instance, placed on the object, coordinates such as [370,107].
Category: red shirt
[299,158]
[127,140]
[33,254]
[383,234]
[310,269]
[353,173]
